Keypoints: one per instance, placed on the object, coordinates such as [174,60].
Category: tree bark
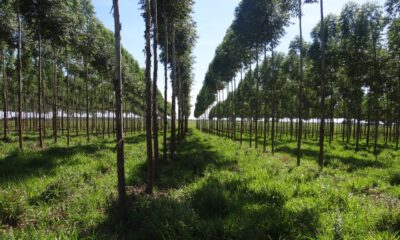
[68,95]
[119,113]
[322,104]
[150,166]
[55,125]
[19,76]
[87,103]
[257,102]
[5,95]
[155,91]
[173,80]
[165,93]
[300,98]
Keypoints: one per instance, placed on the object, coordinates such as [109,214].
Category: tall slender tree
[322,101]
[155,92]
[119,113]
[150,160]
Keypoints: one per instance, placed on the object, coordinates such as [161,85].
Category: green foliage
[12,207]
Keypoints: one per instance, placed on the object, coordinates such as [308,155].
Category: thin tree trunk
[173,110]
[19,76]
[87,103]
[300,98]
[273,103]
[5,95]
[358,128]
[257,103]
[165,93]
[119,112]
[155,91]
[322,106]
[54,95]
[68,96]
[368,121]
[265,127]
[150,169]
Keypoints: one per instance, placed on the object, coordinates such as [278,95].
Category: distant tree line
[350,70]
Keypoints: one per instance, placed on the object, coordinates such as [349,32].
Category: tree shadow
[135,139]
[20,165]
[215,210]
[212,209]
[193,157]
[352,162]
[231,210]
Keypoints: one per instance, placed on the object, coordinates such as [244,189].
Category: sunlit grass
[214,189]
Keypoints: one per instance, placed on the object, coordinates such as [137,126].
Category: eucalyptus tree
[299,13]
[119,112]
[85,42]
[48,19]
[371,17]
[154,16]
[322,79]
[19,73]
[273,16]
[165,59]
[355,35]
[150,162]
[11,34]
[7,40]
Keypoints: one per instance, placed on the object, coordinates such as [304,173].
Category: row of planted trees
[65,74]
[345,83]
[170,27]
[57,65]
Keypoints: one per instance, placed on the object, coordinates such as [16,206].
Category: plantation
[286,139]
[215,189]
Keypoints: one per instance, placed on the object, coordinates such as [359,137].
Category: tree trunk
[257,103]
[265,127]
[68,96]
[119,112]
[273,103]
[358,128]
[165,93]
[322,105]
[150,168]
[87,103]
[5,95]
[19,76]
[54,95]
[368,121]
[155,91]
[300,97]
[173,80]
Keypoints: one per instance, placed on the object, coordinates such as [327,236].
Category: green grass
[215,189]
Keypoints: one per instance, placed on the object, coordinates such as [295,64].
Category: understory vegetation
[214,189]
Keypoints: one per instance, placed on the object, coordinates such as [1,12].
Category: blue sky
[213,17]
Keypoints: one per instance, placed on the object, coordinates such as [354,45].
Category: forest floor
[215,189]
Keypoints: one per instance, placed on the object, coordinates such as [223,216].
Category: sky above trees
[213,19]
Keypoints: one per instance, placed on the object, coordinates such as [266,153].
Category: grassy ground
[215,189]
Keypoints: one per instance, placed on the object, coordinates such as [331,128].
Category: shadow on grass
[353,162]
[135,139]
[215,209]
[26,164]
[192,158]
